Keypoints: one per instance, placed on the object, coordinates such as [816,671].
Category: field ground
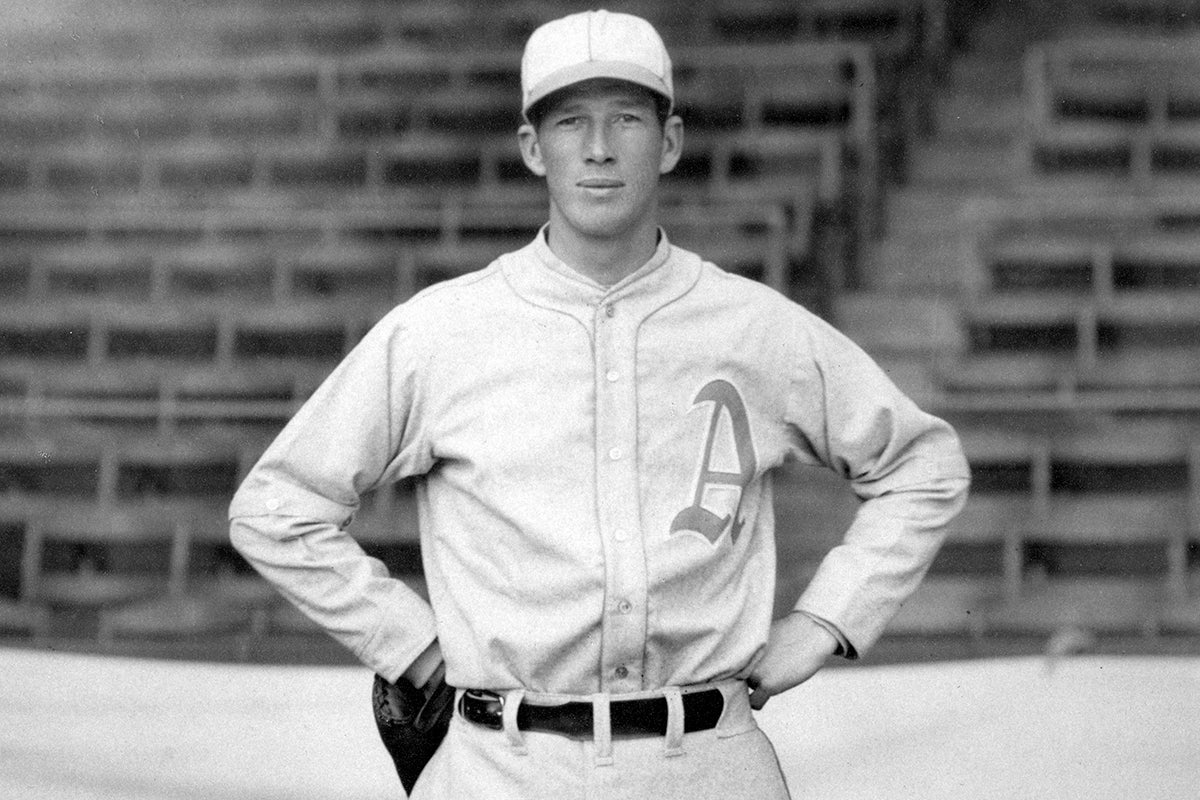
[1099,727]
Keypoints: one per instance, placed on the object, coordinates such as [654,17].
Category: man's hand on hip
[796,649]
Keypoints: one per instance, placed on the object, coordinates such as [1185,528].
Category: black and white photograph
[707,400]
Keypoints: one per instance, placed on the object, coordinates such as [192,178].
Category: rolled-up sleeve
[906,467]
[361,429]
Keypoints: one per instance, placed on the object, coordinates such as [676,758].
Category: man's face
[601,148]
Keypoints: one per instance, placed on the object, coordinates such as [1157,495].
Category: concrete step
[914,265]
[987,166]
[902,325]
[916,211]
[917,376]
[1005,28]
[986,75]
[1005,33]
[966,117]
[1008,28]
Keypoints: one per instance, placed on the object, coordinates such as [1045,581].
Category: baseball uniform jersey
[594,472]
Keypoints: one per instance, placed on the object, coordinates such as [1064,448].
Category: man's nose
[598,148]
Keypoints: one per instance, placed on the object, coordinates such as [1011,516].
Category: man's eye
[567,122]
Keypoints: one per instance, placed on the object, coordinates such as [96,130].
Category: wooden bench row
[1090,527]
[1152,15]
[1115,108]
[346,104]
[442,192]
[225,29]
[1058,385]
[167,397]
[1100,156]
[391,104]
[974,608]
[1123,79]
[1039,322]
[162,569]
[97,332]
[173,318]
[777,162]
[1073,303]
[1033,354]
[219,331]
[757,83]
[1100,263]
[1067,525]
[206,614]
[1093,482]
[312,255]
[1096,247]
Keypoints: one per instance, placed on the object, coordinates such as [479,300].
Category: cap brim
[588,70]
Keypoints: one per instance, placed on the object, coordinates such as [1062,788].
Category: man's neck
[607,261]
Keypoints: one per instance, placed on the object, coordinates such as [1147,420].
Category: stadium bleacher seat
[1089,527]
[201,216]
[1087,302]
[1118,111]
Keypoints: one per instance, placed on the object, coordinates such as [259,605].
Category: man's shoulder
[723,287]
[479,283]
[729,299]
[444,301]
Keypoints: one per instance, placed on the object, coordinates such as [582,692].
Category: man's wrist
[426,667]
[838,645]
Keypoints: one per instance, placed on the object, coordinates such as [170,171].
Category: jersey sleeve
[361,429]
[904,465]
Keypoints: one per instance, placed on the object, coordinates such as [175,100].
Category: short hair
[538,111]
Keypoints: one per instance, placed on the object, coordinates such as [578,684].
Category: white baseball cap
[594,44]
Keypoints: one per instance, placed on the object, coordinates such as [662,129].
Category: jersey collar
[542,278]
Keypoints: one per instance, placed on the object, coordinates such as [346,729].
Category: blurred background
[204,204]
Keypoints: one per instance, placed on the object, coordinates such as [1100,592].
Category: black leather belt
[644,717]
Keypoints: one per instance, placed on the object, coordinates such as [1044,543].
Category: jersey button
[621,535]
[610,310]
[612,375]
[616,453]
[622,672]
[624,606]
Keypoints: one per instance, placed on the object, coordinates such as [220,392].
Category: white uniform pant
[734,760]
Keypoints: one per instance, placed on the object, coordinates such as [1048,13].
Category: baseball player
[593,422]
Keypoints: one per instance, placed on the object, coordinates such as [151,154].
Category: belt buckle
[483,708]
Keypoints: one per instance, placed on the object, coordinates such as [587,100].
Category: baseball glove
[410,724]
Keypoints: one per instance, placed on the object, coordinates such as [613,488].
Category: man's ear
[672,144]
[531,151]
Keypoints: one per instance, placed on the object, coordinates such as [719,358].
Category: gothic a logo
[717,501]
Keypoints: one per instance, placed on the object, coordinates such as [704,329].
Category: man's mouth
[600,183]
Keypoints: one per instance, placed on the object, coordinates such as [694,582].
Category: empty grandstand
[204,205]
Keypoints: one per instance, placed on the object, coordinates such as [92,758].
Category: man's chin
[599,225]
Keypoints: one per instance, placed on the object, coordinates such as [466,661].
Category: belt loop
[674,720]
[508,715]
[602,730]
[736,717]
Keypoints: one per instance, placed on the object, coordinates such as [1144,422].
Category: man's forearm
[327,575]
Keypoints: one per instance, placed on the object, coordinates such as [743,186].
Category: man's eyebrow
[565,108]
[624,103]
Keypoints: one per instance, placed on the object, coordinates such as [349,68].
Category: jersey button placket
[623,631]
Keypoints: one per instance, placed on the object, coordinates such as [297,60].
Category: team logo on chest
[727,465]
